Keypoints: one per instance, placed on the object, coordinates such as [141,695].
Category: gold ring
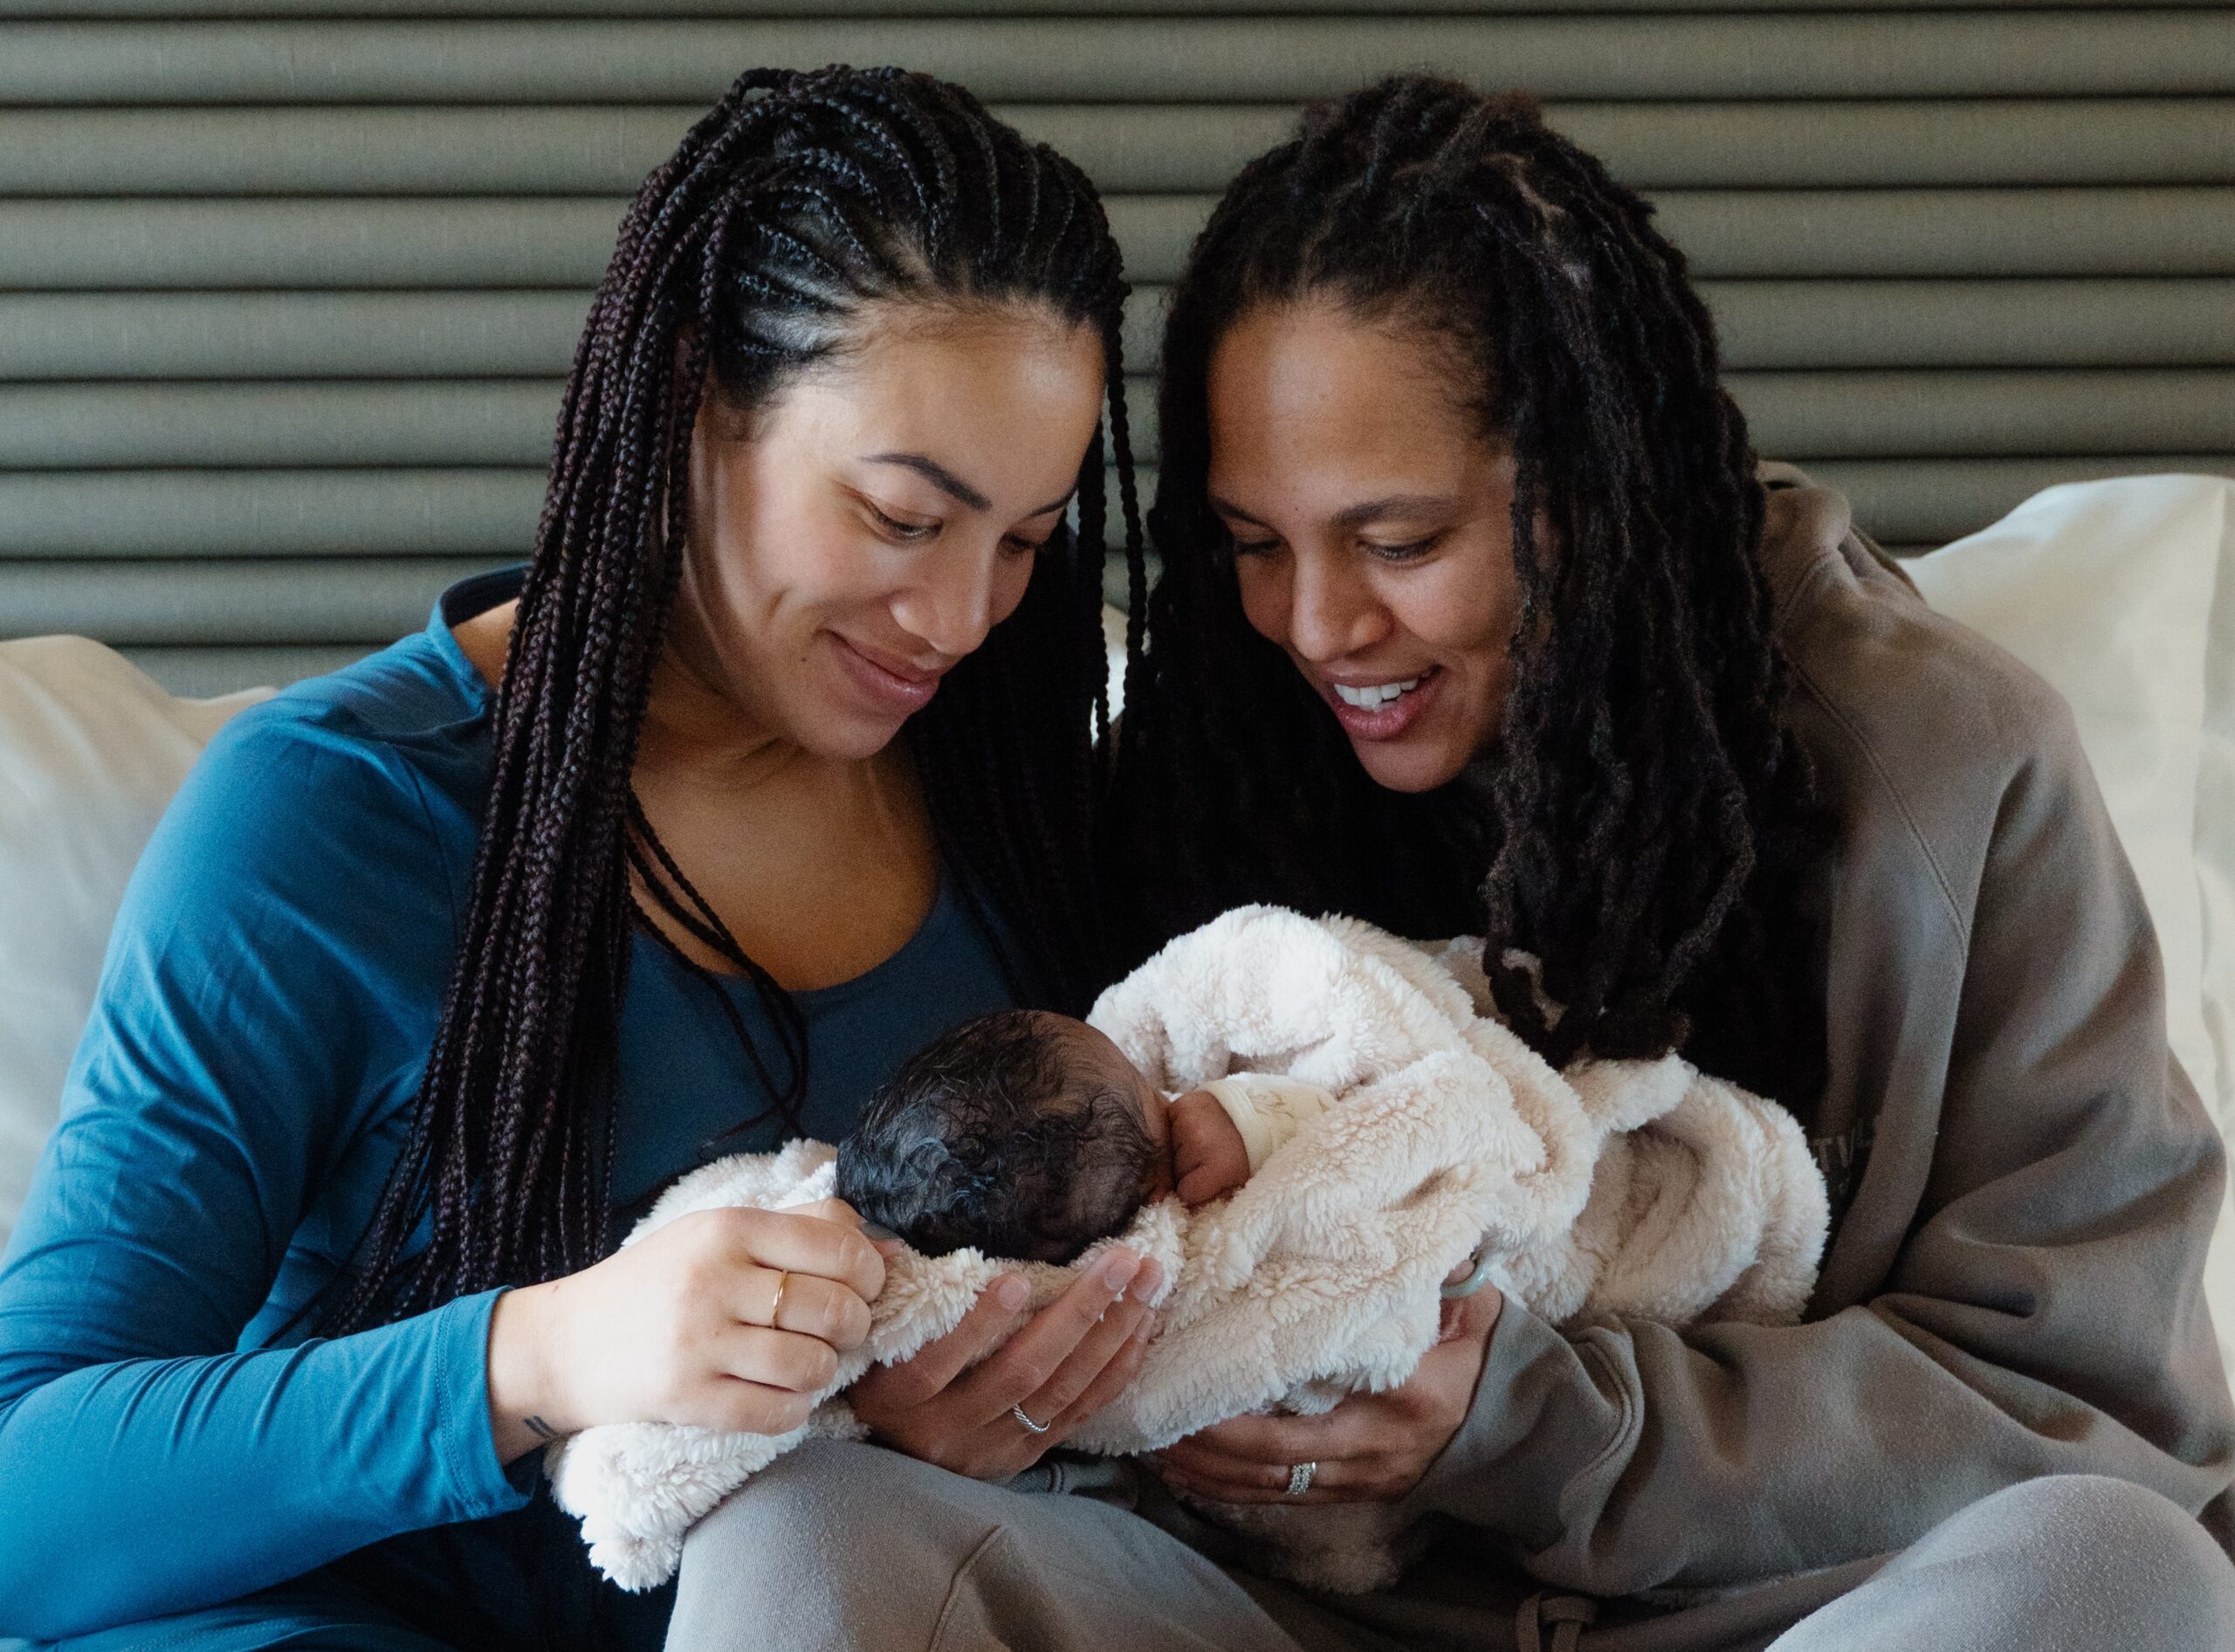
[776,1306]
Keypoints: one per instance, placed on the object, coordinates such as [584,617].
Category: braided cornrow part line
[799,203]
[1647,821]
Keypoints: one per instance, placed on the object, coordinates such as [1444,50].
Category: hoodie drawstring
[1565,1614]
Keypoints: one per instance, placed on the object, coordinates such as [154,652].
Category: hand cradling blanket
[1622,1189]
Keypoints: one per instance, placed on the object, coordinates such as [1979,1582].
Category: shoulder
[401,703]
[1920,728]
[374,772]
[1863,642]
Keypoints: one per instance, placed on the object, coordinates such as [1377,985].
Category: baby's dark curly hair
[993,1136]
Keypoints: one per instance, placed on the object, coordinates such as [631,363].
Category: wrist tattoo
[539,1429]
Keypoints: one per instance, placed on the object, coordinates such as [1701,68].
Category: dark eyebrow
[1053,506]
[1396,504]
[1359,515]
[954,487]
[1225,509]
[939,476]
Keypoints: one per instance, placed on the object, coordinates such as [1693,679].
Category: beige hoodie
[2023,1182]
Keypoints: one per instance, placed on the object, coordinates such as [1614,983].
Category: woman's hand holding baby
[952,1404]
[728,1318]
[1372,1447]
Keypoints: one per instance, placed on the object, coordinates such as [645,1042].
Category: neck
[692,726]
[700,740]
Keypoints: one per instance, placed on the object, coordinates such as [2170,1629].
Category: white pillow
[2212,518]
[2216,885]
[2112,591]
[91,750]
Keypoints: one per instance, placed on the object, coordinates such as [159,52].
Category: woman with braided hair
[1477,617]
[778,760]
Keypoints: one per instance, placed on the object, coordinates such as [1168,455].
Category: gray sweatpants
[850,1546]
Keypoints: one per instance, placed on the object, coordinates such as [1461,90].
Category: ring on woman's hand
[1474,1281]
[1037,1428]
[1300,1478]
[776,1303]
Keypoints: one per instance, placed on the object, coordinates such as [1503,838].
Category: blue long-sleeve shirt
[268,1002]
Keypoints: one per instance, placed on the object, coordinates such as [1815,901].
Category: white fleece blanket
[1628,1189]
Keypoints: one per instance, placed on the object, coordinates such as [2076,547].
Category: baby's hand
[1208,1157]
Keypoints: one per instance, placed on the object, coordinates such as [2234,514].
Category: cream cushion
[91,749]
[2114,591]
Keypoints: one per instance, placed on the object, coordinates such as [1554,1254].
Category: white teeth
[1377,694]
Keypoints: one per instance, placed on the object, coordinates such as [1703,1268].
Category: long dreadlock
[801,199]
[1646,822]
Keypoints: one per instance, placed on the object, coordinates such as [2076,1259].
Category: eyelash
[1409,552]
[916,532]
[912,533]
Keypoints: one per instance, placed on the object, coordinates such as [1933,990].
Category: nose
[950,605]
[1333,612]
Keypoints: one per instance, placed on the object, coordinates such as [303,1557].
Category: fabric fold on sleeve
[2045,1213]
[264,1010]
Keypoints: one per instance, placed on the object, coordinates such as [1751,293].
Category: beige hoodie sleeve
[2015,1290]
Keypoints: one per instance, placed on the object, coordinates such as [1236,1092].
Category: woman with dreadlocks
[1477,617]
[777,761]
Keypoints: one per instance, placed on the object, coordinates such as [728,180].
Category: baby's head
[1027,1134]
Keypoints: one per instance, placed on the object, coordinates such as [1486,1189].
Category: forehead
[1004,393]
[1310,389]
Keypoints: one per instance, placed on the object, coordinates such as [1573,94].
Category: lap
[2072,1563]
[842,1545]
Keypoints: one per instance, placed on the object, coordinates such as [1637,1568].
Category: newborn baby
[1030,1135]
[1304,1223]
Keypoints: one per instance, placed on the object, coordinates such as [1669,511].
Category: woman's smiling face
[1371,520]
[864,531]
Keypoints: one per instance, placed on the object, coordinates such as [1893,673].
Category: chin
[851,740]
[1399,769]
[830,728]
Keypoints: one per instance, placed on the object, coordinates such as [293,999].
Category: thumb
[882,1240]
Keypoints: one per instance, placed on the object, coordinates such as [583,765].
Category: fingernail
[1012,1292]
[874,1230]
[1146,1329]
[1118,1267]
[1146,1281]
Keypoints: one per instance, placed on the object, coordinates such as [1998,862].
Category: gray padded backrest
[287,286]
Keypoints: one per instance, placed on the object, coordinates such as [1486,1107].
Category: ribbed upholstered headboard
[287,286]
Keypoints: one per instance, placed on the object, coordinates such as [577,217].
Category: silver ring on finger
[1300,1478]
[1482,1259]
[1017,1411]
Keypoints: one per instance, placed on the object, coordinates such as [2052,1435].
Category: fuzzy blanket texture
[1626,1189]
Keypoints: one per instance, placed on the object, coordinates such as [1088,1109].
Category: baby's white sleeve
[1268,1110]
